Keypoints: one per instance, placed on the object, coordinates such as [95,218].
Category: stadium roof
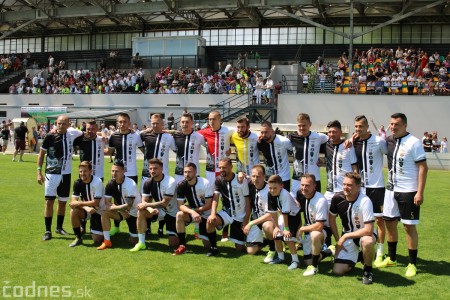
[20,18]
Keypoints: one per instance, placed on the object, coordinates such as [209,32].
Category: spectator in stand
[444,145]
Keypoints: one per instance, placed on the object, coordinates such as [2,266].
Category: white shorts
[295,186]
[255,235]
[351,255]
[210,176]
[307,243]
[226,218]
[390,207]
[57,185]
[178,178]
[328,195]
[143,180]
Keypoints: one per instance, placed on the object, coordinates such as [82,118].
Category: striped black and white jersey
[125,146]
[276,156]
[306,153]
[92,150]
[353,214]
[339,161]
[314,209]
[166,187]
[259,200]
[121,192]
[369,153]
[403,155]
[233,196]
[157,145]
[196,195]
[90,191]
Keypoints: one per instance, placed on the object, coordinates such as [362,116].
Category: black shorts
[377,197]
[134,178]
[294,223]
[132,224]
[96,223]
[408,210]
[201,226]
[19,144]
[237,236]
[60,182]
[171,225]
[287,185]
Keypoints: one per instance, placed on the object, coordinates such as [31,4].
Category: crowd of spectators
[13,62]
[388,71]
[431,143]
[167,80]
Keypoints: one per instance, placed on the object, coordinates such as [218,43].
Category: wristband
[251,224]
[39,168]
[286,228]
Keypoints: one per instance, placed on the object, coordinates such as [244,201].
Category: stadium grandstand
[205,55]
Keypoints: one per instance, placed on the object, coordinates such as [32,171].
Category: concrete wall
[424,113]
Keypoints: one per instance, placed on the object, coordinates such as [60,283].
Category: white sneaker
[293,266]
[269,257]
[311,270]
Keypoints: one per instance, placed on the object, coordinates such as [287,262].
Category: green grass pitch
[52,269]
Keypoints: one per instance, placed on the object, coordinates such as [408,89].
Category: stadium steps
[12,78]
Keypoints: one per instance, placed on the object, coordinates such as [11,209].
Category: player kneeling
[315,209]
[260,228]
[88,189]
[356,213]
[281,201]
[198,192]
[124,192]
[158,202]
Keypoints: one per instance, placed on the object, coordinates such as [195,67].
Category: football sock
[182,238]
[280,255]
[392,250]
[225,229]
[141,237]
[77,232]
[48,223]
[367,268]
[106,235]
[212,236]
[325,254]
[59,222]
[380,249]
[294,257]
[271,245]
[412,256]
[315,260]
[161,225]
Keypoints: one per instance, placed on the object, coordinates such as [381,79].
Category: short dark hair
[157,116]
[187,115]
[155,161]
[243,120]
[227,160]
[266,124]
[85,163]
[303,116]
[191,165]
[361,117]
[355,176]
[92,122]
[261,167]
[119,163]
[124,115]
[401,116]
[309,176]
[335,124]
[275,179]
